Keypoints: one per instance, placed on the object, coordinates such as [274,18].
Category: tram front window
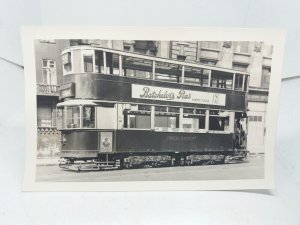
[73,117]
[88,118]
[218,121]
[88,63]
[60,118]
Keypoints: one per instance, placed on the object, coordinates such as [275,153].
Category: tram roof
[153,58]
[76,102]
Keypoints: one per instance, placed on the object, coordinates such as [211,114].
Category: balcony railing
[46,121]
[46,89]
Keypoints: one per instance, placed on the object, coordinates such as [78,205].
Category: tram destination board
[150,108]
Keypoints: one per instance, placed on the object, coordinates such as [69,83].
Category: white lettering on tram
[177,95]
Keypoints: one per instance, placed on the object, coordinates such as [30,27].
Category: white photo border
[276,37]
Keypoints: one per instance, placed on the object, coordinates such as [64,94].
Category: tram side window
[139,121]
[217,121]
[196,76]
[138,117]
[66,61]
[99,62]
[137,67]
[73,117]
[238,82]
[60,118]
[168,72]
[165,119]
[88,119]
[221,79]
[112,63]
[193,119]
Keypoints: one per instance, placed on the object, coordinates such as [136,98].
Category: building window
[46,116]
[267,50]
[255,118]
[210,44]
[241,47]
[145,47]
[265,79]
[208,62]
[51,41]
[240,67]
[49,72]
[67,64]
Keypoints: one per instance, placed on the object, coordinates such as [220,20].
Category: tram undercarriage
[145,160]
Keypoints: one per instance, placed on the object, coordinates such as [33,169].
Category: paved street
[252,169]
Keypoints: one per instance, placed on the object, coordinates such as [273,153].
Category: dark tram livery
[123,110]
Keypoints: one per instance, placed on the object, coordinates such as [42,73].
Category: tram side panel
[79,144]
[88,144]
[151,141]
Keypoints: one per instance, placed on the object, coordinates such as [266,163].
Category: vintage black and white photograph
[151,110]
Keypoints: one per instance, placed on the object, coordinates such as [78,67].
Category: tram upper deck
[136,78]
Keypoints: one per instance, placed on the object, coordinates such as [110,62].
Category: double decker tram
[124,110]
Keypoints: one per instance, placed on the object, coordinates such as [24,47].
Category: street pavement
[251,169]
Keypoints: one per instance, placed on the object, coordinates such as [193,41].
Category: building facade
[48,79]
[251,57]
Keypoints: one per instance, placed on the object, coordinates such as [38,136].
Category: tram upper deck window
[88,63]
[137,67]
[168,72]
[218,121]
[67,63]
[88,117]
[99,62]
[221,79]
[245,83]
[73,117]
[88,60]
[112,63]
[196,76]
[238,85]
